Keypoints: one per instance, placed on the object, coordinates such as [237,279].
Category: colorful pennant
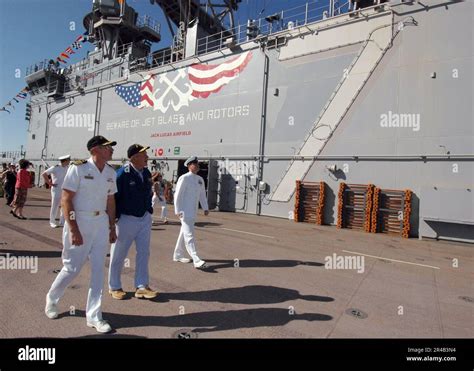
[62,58]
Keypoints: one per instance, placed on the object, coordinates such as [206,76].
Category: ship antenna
[263,9]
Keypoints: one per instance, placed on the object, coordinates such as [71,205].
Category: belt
[90,213]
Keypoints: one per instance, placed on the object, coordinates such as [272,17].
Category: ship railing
[153,60]
[147,21]
[263,27]
[46,64]
[162,57]
[36,90]
[287,19]
[79,66]
[284,20]
[11,155]
[139,64]
[124,49]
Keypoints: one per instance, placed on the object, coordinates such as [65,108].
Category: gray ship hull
[385,96]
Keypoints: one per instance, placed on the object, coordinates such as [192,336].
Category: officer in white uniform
[189,191]
[57,174]
[159,189]
[89,207]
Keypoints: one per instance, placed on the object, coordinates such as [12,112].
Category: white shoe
[200,264]
[51,310]
[182,260]
[101,326]
[53,225]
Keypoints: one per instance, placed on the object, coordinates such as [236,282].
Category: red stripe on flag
[147,98]
[205,94]
[215,78]
[207,67]
[147,85]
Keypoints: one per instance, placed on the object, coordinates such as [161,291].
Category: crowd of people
[102,209]
[15,179]
[15,182]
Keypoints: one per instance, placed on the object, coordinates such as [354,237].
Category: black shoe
[16,216]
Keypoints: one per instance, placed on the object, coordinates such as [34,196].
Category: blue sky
[34,30]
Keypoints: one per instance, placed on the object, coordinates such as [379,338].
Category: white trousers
[186,241]
[95,236]
[164,211]
[55,206]
[131,229]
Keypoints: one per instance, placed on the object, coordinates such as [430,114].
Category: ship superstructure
[372,93]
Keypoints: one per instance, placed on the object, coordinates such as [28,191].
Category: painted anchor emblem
[184,97]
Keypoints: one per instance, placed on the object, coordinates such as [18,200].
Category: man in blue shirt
[134,210]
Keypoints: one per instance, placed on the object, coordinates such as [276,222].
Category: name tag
[89,177]
[132,183]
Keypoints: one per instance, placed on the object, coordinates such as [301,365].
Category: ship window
[33,136]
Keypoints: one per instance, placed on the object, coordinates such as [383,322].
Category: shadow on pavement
[243,295]
[254,263]
[214,320]
[211,321]
[206,224]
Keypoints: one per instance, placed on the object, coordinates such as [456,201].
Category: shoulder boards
[79,162]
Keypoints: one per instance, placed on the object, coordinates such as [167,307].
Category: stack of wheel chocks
[407,214]
[375,209]
[368,206]
[296,212]
[309,202]
[360,206]
[320,214]
[355,206]
[340,205]
[391,212]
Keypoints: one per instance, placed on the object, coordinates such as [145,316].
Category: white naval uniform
[156,200]
[92,189]
[189,191]
[57,174]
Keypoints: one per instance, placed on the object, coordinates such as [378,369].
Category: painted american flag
[130,94]
[210,78]
[138,94]
[157,91]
